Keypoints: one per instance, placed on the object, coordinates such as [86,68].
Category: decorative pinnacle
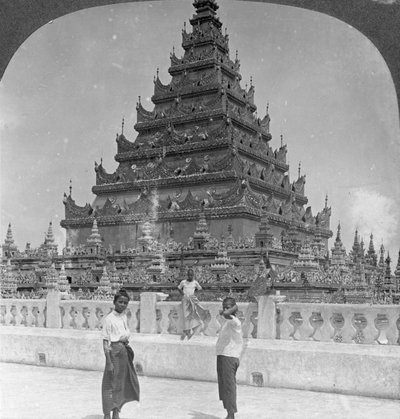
[158,72]
[281,140]
[251,81]
[299,168]
[122,125]
[139,100]
[184,25]
[267,108]
[70,187]
[237,52]
[326,201]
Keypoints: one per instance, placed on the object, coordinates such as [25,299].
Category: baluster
[73,314]
[35,315]
[370,332]
[62,315]
[132,319]
[9,316]
[326,330]
[285,326]
[305,328]
[392,332]
[382,324]
[13,312]
[175,320]
[138,320]
[214,325]
[398,330]
[86,314]
[359,322]
[296,321]
[3,313]
[246,325]
[165,320]
[254,324]
[80,320]
[99,316]
[24,316]
[348,330]
[30,320]
[316,321]
[337,321]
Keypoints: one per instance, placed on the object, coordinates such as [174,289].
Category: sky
[330,94]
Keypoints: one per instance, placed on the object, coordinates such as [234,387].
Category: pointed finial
[158,71]
[139,99]
[173,50]
[237,52]
[101,161]
[251,81]
[122,125]
[326,201]
[70,187]
[184,25]
[226,31]
[267,108]
[281,140]
[299,168]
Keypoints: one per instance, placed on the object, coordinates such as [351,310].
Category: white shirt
[189,287]
[115,327]
[230,338]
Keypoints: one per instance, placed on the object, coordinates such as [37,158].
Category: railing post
[148,321]
[53,314]
[266,324]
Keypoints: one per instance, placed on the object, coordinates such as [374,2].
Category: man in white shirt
[228,349]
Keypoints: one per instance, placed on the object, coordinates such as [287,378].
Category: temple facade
[201,153]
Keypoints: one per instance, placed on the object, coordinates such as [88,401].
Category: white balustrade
[170,318]
[22,312]
[88,314]
[347,323]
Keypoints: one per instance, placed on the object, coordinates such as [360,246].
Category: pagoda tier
[202,149]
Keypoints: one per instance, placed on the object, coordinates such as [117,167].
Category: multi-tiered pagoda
[200,152]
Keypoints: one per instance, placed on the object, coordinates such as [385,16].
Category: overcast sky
[330,93]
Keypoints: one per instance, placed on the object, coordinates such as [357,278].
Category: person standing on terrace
[228,349]
[193,313]
[120,383]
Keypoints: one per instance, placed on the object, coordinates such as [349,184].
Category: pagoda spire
[205,12]
[381,263]
[9,241]
[371,255]
[397,273]
[9,248]
[338,250]
[94,238]
[49,237]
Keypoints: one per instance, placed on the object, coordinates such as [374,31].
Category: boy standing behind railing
[193,313]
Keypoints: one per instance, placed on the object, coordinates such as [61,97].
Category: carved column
[148,321]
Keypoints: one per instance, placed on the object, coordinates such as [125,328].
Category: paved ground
[54,393]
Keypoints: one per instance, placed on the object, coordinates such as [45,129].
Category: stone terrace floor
[53,393]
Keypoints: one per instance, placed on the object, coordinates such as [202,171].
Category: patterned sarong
[226,371]
[193,313]
[122,385]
